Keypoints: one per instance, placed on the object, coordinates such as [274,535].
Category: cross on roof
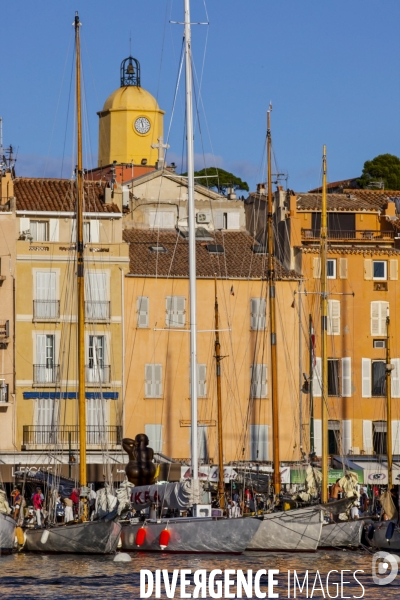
[161,154]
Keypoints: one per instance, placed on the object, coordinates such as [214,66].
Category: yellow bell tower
[130,123]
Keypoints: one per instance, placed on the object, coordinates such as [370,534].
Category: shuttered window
[258,314]
[201,381]
[175,311]
[346,436]
[96,296]
[394,269]
[218,220]
[233,220]
[39,231]
[153,381]
[333,377]
[316,268]
[45,359]
[46,306]
[366,377]
[331,268]
[54,229]
[343,268]
[317,373]
[259,442]
[24,224]
[333,317]
[318,436]
[258,374]
[142,304]
[379,311]
[154,433]
[368,445]
[395,378]
[96,420]
[367,268]
[346,377]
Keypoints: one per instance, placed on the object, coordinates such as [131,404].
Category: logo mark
[384,568]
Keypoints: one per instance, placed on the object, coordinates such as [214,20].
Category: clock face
[142,125]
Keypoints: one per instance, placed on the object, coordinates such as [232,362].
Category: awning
[39,395]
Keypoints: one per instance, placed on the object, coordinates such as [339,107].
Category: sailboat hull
[91,537]
[7,534]
[193,535]
[343,534]
[293,530]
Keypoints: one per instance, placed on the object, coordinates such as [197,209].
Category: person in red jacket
[37,505]
[75,499]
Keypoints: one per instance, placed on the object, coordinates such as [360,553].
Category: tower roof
[131,97]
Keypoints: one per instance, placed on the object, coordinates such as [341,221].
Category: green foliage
[221,180]
[386,168]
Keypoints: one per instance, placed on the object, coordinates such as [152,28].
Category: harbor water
[65,576]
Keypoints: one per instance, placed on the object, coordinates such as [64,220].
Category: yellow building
[46,318]
[157,346]
[363,284]
[131,122]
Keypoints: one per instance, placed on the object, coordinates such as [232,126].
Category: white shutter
[148,381]
[24,224]
[257,314]
[258,442]
[366,377]
[395,378]
[258,374]
[94,231]
[143,311]
[73,231]
[218,220]
[318,437]
[393,269]
[343,268]
[169,308]
[202,381]
[96,295]
[154,433]
[263,381]
[180,311]
[333,317]
[233,220]
[316,268]
[157,381]
[317,374]
[54,228]
[368,445]
[379,312]
[346,377]
[395,437]
[40,349]
[367,268]
[346,436]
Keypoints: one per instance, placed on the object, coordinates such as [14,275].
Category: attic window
[215,248]
[158,248]
[202,234]
[259,249]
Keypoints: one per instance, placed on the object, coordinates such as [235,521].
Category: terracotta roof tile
[352,200]
[238,259]
[59,195]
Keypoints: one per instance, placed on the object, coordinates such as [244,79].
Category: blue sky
[331,70]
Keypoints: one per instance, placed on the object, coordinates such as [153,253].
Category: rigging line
[66,121]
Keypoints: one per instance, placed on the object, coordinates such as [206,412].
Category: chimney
[172,167]
[6,187]
[261,188]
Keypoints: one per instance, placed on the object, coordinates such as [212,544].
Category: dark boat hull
[91,537]
[193,535]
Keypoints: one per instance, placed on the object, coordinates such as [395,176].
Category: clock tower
[130,123]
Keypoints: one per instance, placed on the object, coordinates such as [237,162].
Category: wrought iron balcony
[98,374]
[97,311]
[46,310]
[359,235]
[48,373]
[68,435]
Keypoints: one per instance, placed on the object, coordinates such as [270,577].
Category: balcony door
[46,420]
[96,421]
[97,306]
[45,306]
[96,367]
[45,368]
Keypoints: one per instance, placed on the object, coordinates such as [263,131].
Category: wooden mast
[324,331]
[388,374]
[221,479]
[272,320]
[80,275]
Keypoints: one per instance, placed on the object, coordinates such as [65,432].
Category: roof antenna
[130,42]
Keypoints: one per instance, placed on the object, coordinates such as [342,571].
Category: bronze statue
[140,469]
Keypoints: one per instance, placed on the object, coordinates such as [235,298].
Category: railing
[97,311]
[4,393]
[96,374]
[48,373]
[66,435]
[363,235]
[46,310]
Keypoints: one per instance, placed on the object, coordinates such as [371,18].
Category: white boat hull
[293,530]
[7,534]
[343,534]
[193,535]
[91,537]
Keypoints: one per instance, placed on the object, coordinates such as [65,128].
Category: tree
[384,168]
[219,179]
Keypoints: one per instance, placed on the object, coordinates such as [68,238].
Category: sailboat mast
[389,405]
[272,319]
[80,273]
[324,332]
[221,479]
[192,241]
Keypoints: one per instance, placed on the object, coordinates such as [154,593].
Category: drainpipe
[123,347]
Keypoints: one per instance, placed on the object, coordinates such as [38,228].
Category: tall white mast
[192,243]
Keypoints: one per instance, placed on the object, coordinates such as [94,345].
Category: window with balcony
[96,421]
[45,370]
[97,371]
[97,306]
[39,231]
[46,420]
[46,307]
